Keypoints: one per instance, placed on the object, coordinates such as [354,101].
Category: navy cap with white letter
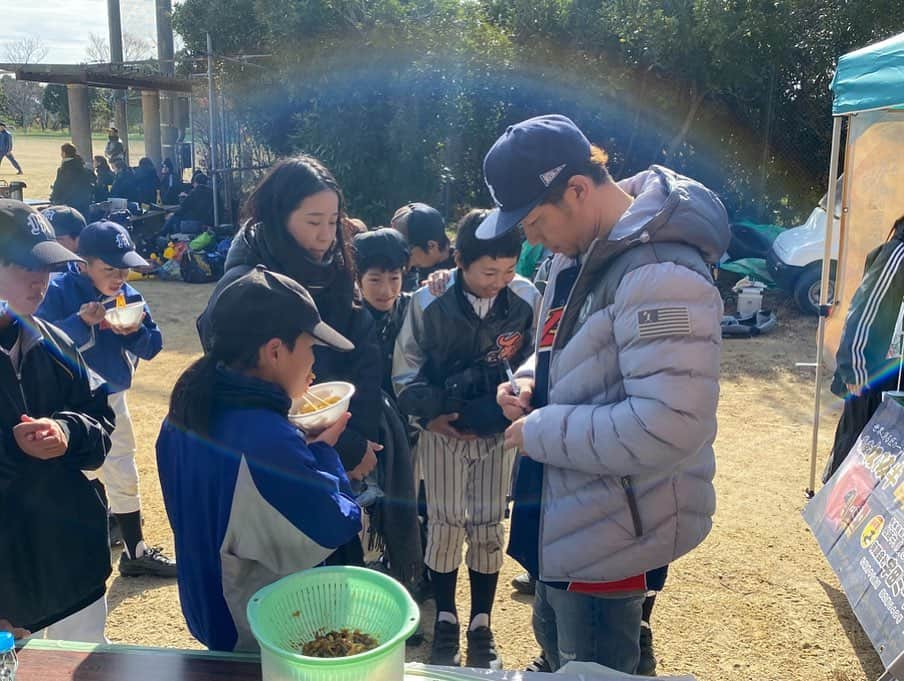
[523,163]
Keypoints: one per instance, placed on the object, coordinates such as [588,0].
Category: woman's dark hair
[469,248]
[69,150]
[191,401]
[147,164]
[102,163]
[288,183]
[594,168]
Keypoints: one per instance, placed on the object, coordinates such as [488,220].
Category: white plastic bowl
[327,416]
[126,316]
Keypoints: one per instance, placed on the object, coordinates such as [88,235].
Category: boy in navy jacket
[78,303]
[250,497]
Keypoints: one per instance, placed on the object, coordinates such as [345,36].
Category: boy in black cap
[250,497]
[381,258]
[67,224]
[78,304]
[55,421]
[425,230]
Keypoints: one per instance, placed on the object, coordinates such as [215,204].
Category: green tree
[56,102]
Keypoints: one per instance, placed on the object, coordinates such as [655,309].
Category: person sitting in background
[124,186]
[196,210]
[250,497]
[146,181]
[425,230]
[74,185]
[105,179]
[170,184]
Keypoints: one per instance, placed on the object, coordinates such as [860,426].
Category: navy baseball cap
[111,243]
[523,163]
[420,224]
[66,221]
[27,239]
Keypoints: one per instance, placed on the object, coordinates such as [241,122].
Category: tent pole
[824,303]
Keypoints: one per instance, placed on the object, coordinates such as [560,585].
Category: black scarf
[328,281]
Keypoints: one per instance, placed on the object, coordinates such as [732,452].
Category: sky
[64,25]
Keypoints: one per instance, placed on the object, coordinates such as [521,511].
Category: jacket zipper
[632,505]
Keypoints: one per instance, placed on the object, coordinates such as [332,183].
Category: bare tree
[134,48]
[28,50]
[22,100]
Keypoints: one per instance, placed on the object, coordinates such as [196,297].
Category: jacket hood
[669,207]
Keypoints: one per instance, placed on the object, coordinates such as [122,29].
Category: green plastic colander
[288,613]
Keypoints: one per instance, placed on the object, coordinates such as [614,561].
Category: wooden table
[59,661]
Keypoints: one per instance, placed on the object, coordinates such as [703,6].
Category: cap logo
[549,176]
[122,242]
[39,225]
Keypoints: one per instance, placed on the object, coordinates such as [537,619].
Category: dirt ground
[39,156]
[756,601]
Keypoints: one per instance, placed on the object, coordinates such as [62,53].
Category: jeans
[573,626]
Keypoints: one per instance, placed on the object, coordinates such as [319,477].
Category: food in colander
[342,643]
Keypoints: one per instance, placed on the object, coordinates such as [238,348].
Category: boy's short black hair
[384,249]
[470,249]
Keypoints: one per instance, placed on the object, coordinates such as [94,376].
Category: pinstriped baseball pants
[467,483]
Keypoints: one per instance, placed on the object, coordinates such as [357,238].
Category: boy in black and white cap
[78,304]
[55,423]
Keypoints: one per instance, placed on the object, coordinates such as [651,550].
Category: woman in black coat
[293,227]
[74,185]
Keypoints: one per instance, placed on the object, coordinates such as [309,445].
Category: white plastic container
[322,418]
[750,301]
[126,316]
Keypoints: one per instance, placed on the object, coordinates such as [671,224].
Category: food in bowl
[312,406]
[342,643]
[125,317]
[321,406]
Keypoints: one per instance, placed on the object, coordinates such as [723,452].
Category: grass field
[39,156]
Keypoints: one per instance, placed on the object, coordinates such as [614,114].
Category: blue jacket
[249,503]
[6,142]
[112,356]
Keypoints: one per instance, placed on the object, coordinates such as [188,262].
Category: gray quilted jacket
[626,439]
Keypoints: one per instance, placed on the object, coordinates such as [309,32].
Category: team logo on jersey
[550,327]
[507,346]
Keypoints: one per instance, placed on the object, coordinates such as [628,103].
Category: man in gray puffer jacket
[616,415]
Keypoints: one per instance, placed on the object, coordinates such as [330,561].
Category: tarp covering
[870,78]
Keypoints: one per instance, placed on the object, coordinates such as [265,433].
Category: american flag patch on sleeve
[664,321]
